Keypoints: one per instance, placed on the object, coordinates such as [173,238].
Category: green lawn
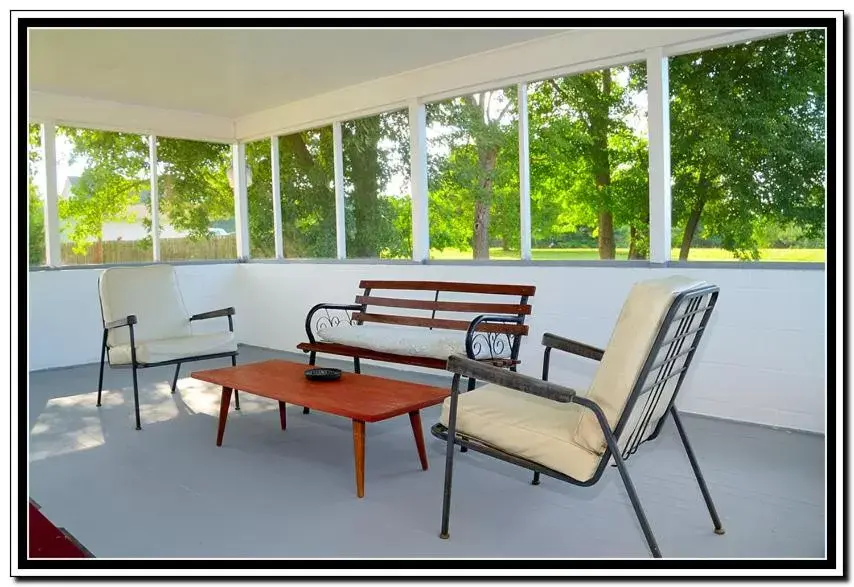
[806,255]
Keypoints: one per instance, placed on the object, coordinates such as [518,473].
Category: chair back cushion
[151,293]
[628,349]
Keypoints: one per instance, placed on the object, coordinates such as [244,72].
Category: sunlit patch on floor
[203,397]
[69,424]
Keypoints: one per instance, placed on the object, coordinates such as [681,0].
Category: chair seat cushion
[168,349]
[525,425]
[411,341]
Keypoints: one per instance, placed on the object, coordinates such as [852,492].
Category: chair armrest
[484,372]
[553,341]
[126,321]
[213,314]
[494,340]
[331,320]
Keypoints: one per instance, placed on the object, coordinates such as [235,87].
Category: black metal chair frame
[464,367]
[129,321]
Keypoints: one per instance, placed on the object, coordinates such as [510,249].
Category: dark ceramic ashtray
[319,374]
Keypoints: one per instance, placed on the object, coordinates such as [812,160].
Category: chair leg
[356,367]
[175,379]
[101,375]
[719,529]
[236,396]
[633,496]
[449,459]
[536,480]
[136,398]
[470,387]
[312,357]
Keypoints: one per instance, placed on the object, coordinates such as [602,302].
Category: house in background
[124,231]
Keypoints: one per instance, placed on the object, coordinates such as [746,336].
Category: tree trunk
[638,248]
[486,159]
[691,227]
[633,243]
[602,167]
[365,175]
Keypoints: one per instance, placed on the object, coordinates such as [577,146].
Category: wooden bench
[374,327]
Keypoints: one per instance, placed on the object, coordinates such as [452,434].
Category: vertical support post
[53,249]
[658,95]
[155,199]
[524,175]
[418,181]
[241,207]
[277,197]
[338,167]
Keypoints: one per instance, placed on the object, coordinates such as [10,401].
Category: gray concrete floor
[168,491]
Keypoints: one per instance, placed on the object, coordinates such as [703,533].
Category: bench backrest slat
[508,328]
[450,286]
[476,307]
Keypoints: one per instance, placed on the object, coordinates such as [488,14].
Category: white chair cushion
[155,351]
[408,340]
[525,425]
[151,294]
[628,348]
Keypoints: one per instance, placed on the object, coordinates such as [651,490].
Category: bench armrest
[213,314]
[496,342]
[466,367]
[327,320]
[553,341]
[126,321]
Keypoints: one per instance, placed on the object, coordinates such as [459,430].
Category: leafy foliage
[747,144]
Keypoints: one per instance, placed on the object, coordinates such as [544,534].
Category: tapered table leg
[415,420]
[359,452]
[282,416]
[224,402]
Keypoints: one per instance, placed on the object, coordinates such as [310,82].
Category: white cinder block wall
[65,325]
[763,359]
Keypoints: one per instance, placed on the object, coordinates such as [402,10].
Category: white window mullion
[241,208]
[338,168]
[418,181]
[277,197]
[53,249]
[524,175]
[658,94]
[155,199]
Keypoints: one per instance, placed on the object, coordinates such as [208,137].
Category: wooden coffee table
[362,398]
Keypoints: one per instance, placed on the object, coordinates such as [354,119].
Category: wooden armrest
[553,341]
[485,372]
[213,314]
[126,321]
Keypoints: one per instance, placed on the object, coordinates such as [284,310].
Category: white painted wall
[762,361]
[65,325]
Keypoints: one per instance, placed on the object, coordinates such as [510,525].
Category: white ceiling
[233,73]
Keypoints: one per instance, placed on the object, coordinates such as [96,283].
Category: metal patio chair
[146,324]
[556,431]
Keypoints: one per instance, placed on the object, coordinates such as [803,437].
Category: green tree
[747,140]
[35,208]
[113,180]
[476,175]
[588,166]
[375,149]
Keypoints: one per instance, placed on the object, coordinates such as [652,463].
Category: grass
[696,254]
